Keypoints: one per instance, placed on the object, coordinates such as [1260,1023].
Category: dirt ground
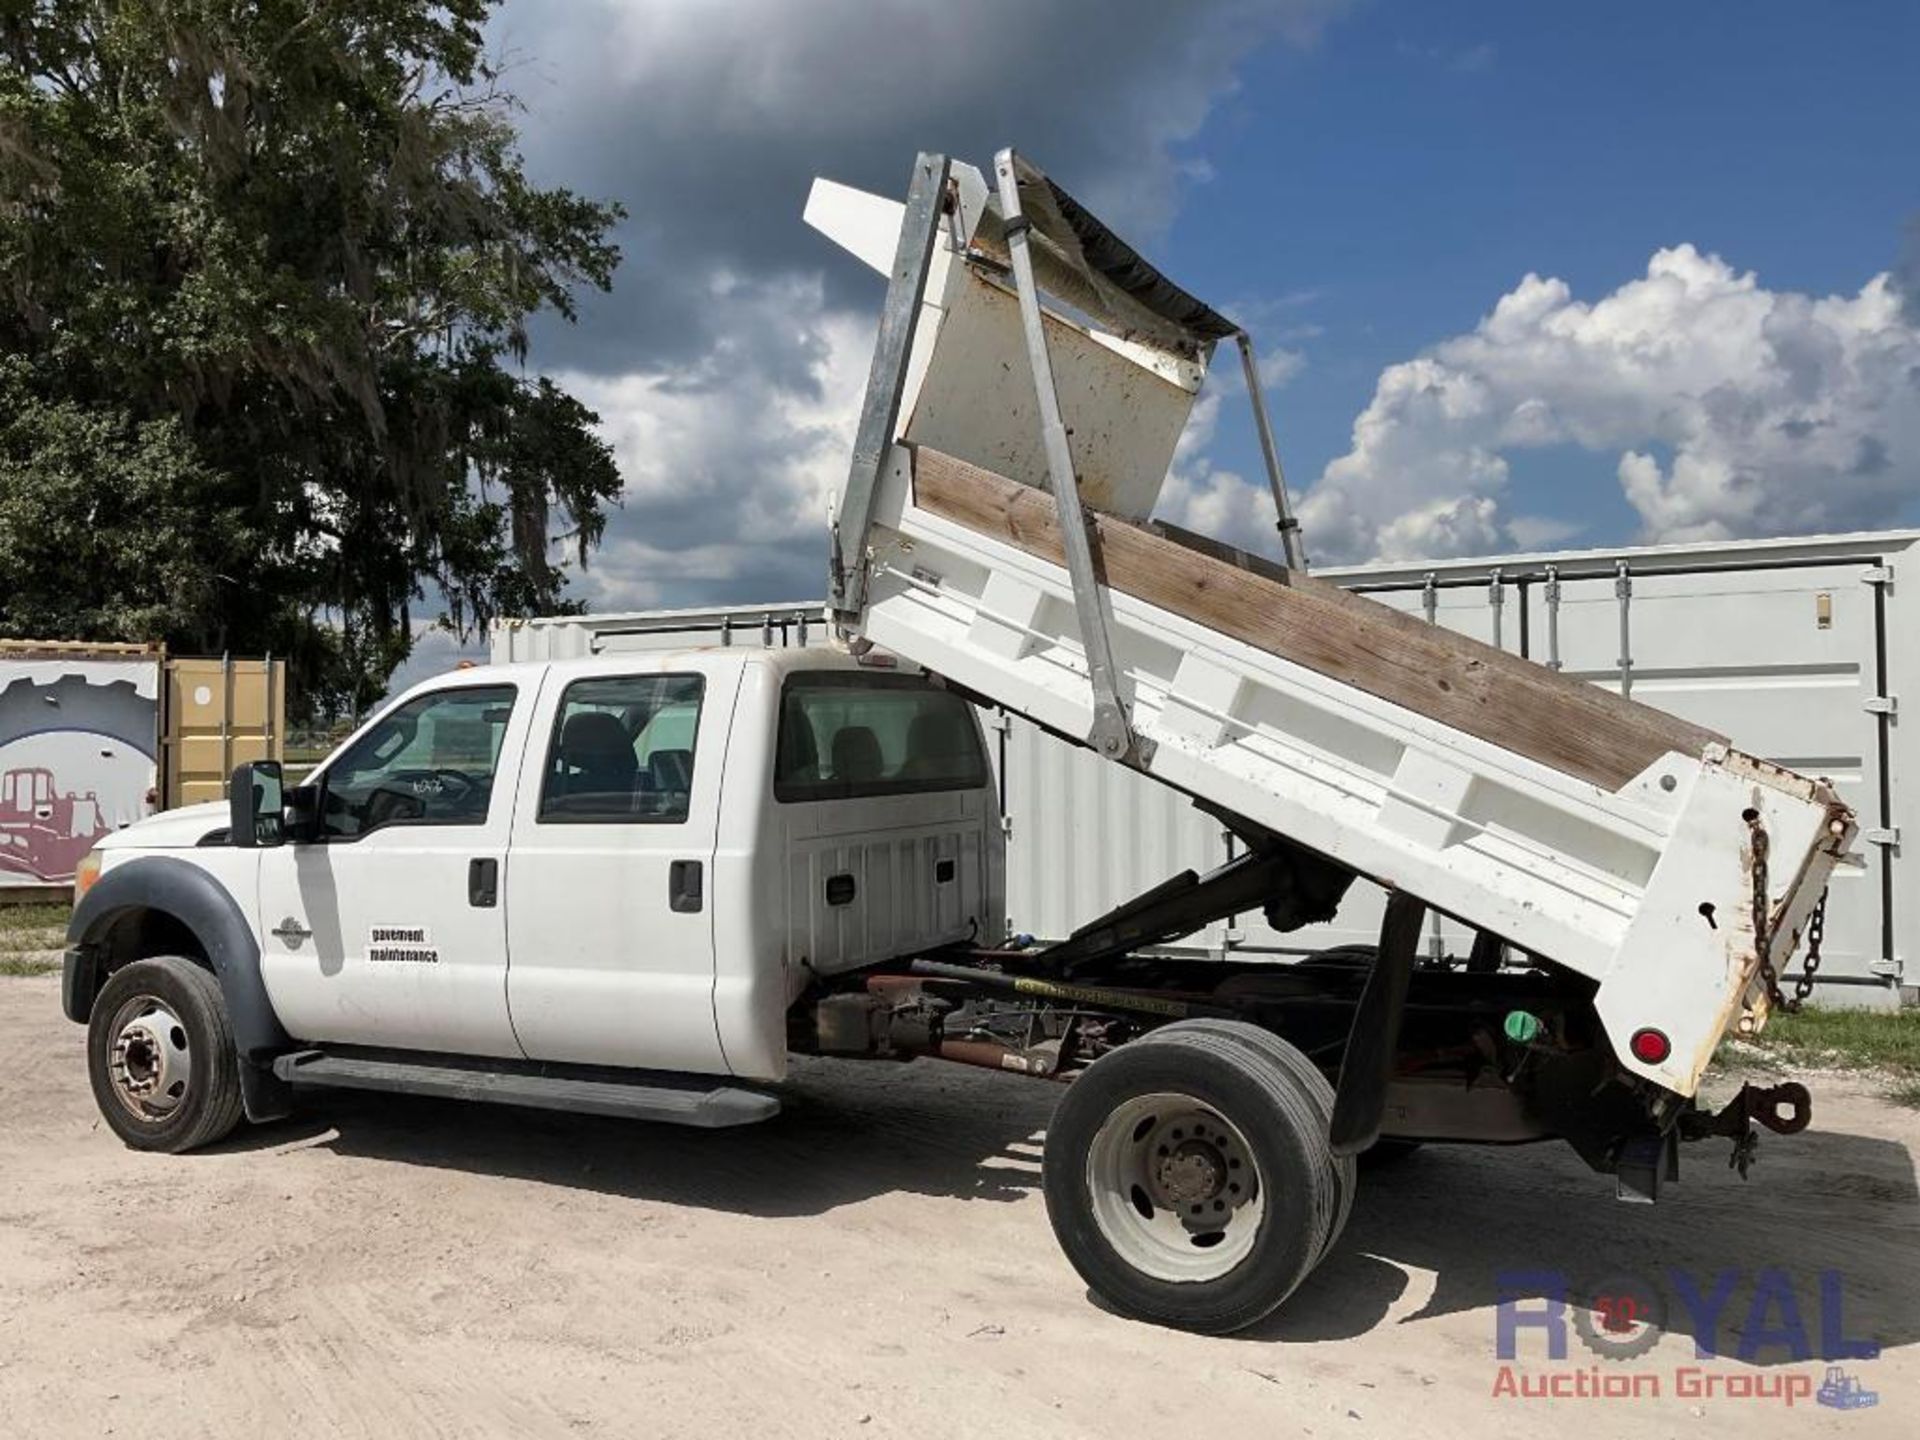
[876,1261]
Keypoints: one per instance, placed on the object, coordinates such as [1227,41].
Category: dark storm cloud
[709,122]
[728,363]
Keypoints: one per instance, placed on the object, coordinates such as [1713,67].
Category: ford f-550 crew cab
[634,884]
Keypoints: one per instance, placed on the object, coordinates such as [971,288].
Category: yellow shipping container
[218,713]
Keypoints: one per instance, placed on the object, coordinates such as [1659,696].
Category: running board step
[666,1099]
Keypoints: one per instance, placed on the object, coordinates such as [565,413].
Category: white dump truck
[634,884]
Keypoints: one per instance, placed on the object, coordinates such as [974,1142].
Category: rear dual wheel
[1188,1176]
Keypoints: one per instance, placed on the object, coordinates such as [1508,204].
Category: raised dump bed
[1593,832]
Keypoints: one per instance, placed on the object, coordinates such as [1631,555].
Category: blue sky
[1412,166]
[1364,182]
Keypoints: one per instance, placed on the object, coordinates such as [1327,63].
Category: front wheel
[1188,1177]
[160,1054]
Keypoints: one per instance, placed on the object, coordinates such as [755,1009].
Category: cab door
[388,930]
[608,899]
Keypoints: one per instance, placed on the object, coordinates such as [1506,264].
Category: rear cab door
[608,903]
[889,816]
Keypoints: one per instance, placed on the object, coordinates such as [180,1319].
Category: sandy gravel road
[875,1262]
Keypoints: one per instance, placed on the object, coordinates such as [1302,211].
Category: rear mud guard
[1367,1066]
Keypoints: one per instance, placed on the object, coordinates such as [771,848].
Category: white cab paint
[582,959]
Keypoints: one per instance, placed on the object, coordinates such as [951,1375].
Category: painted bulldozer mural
[44,834]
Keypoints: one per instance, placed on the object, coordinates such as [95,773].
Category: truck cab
[633,862]
[628,861]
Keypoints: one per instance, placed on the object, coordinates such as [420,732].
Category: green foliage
[1885,1040]
[92,505]
[266,271]
[31,918]
[21,967]
[30,937]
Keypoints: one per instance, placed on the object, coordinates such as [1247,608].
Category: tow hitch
[1785,1109]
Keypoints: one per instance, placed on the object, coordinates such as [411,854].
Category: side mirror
[255,800]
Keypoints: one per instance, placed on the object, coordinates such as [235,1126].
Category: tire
[1346,1176]
[161,1057]
[1146,1173]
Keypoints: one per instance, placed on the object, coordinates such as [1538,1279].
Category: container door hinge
[1881,705]
[1892,969]
[1889,837]
[1877,575]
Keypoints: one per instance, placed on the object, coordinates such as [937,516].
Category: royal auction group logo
[1776,1322]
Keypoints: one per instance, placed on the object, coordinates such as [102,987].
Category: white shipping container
[1797,649]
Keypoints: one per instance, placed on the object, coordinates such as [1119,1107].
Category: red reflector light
[1650,1046]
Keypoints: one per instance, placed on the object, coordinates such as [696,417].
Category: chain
[1757,840]
[1816,931]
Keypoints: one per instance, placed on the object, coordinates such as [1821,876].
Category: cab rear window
[848,734]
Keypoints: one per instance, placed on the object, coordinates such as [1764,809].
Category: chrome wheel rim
[1175,1188]
[150,1063]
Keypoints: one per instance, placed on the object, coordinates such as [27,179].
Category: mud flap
[1367,1066]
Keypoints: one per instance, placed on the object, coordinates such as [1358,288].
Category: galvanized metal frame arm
[1112,734]
[886,381]
[1292,546]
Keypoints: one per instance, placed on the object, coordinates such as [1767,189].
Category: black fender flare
[201,903]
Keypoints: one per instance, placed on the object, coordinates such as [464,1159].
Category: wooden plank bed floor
[1575,727]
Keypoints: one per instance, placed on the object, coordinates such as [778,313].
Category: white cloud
[435,652]
[1731,410]
[1219,503]
[730,464]
[729,362]
[1542,532]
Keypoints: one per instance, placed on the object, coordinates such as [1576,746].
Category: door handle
[291,931]
[483,883]
[686,886]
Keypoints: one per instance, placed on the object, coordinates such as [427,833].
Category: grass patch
[15,918]
[31,938]
[1887,1041]
[1907,1094]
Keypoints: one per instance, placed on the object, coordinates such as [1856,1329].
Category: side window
[622,751]
[430,762]
[847,734]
